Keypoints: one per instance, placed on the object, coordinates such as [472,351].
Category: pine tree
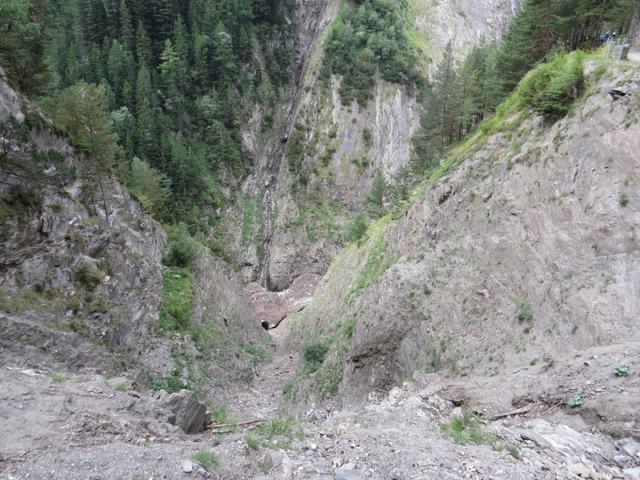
[126,26]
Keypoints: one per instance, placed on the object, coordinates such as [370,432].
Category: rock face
[291,226]
[81,284]
[87,273]
[529,246]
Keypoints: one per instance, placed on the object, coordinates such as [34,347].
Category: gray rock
[188,466]
[346,473]
[187,411]
[633,473]
[622,460]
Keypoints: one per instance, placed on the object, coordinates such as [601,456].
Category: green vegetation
[623,199]
[171,384]
[182,250]
[279,427]
[313,354]
[88,275]
[122,386]
[621,371]
[550,88]
[369,37]
[578,398]
[378,259]
[59,377]
[219,414]
[178,296]
[524,314]
[252,441]
[467,429]
[356,229]
[206,458]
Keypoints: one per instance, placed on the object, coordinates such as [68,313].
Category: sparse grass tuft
[122,386]
[279,427]
[623,199]
[219,414]
[467,429]
[252,441]
[206,459]
[59,377]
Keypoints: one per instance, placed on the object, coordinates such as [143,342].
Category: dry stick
[232,425]
[517,411]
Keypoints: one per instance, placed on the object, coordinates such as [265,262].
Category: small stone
[203,472]
[187,466]
[622,460]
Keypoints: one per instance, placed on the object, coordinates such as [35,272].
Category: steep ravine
[292,227]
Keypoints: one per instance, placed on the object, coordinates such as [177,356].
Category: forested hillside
[176,79]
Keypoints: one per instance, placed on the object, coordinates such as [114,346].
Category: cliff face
[292,216]
[81,277]
[529,247]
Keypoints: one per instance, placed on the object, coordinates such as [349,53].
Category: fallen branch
[234,425]
[517,411]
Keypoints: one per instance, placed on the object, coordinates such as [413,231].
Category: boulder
[187,412]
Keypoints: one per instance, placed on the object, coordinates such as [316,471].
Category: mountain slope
[522,247]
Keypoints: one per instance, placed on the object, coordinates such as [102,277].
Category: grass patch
[59,377]
[171,384]
[122,386]
[253,442]
[378,259]
[279,427]
[219,414]
[178,297]
[466,429]
[206,458]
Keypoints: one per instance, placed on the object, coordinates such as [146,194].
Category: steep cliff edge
[521,249]
[81,273]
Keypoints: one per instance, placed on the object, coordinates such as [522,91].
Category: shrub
[314,353]
[550,88]
[88,276]
[122,386]
[182,249]
[149,186]
[219,414]
[59,377]
[252,441]
[357,229]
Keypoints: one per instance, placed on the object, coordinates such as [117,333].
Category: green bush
[356,229]
[182,250]
[314,353]
[550,88]
[88,276]
[171,384]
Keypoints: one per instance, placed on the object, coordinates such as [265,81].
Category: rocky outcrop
[527,247]
[81,274]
